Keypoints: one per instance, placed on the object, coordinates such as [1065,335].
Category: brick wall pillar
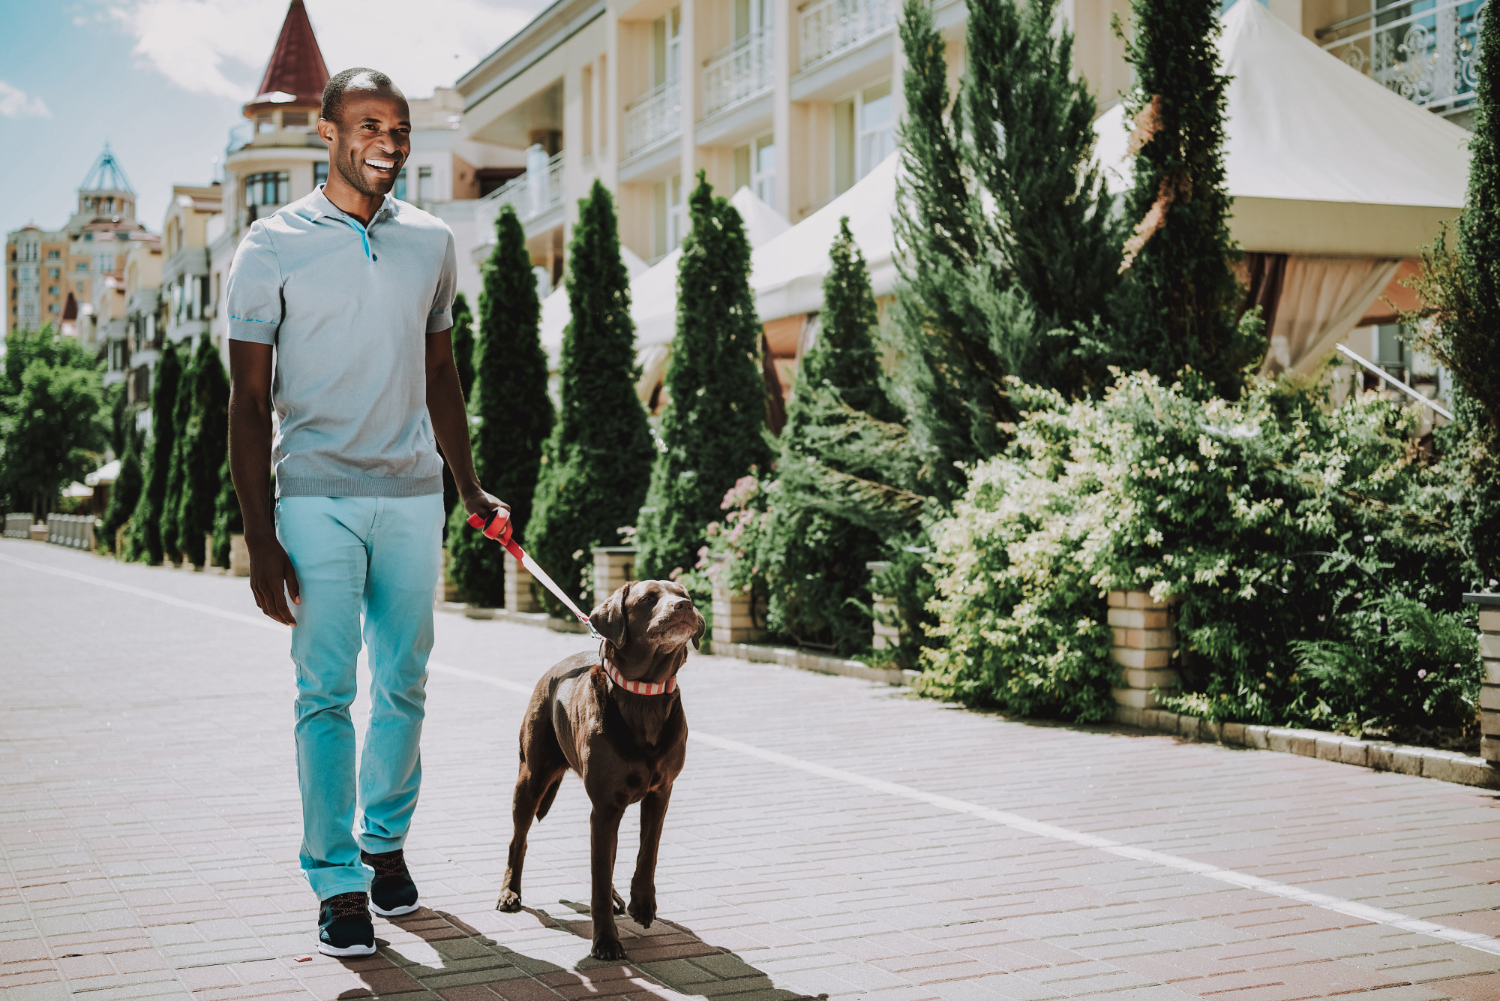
[614,567]
[736,619]
[1145,637]
[1489,692]
[887,636]
[520,587]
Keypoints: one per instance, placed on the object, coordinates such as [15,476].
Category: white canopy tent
[1334,176]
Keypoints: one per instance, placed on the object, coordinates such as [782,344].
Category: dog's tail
[547,798]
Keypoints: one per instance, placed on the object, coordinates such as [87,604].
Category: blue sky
[163,81]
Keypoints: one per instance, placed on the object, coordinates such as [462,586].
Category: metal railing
[533,194]
[738,73]
[653,117]
[1425,50]
[828,28]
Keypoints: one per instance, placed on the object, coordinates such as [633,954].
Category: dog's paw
[510,900]
[619,901]
[642,909]
[608,949]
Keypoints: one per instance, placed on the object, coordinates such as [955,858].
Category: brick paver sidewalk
[828,837]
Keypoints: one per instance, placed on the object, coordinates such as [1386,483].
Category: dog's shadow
[449,953]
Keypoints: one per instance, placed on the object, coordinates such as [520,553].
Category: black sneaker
[392,892]
[344,927]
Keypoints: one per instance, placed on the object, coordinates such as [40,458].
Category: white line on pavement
[1016,822]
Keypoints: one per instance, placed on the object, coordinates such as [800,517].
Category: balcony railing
[1424,51]
[533,194]
[739,72]
[830,27]
[653,117]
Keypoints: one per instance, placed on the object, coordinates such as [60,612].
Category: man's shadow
[459,954]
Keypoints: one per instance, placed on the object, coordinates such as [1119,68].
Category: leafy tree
[53,421]
[814,555]
[172,543]
[513,410]
[1462,286]
[463,360]
[145,521]
[126,491]
[713,429]
[598,458]
[205,447]
[1180,302]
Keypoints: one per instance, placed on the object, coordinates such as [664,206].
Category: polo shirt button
[374,257]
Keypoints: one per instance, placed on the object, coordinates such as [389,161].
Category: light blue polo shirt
[349,308]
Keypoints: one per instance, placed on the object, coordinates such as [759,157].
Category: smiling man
[339,316]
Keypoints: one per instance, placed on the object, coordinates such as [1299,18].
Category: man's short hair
[333,94]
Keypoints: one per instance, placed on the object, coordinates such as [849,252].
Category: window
[266,189]
[81,266]
[763,169]
[843,146]
[294,119]
[52,255]
[877,132]
[54,272]
[401,184]
[265,122]
[320,173]
[106,263]
[80,288]
[52,308]
[666,47]
[424,184]
[668,217]
[52,290]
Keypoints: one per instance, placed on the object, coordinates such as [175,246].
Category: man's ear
[610,620]
[699,634]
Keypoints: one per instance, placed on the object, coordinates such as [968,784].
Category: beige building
[799,100]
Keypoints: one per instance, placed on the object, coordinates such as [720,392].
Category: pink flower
[1422,673]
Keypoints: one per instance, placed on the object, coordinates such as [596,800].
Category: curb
[1380,755]
[758,653]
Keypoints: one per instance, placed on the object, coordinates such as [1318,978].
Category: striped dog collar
[636,687]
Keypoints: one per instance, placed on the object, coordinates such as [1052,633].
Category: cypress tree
[598,459]
[512,406]
[145,522]
[126,491]
[814,556]
[713,429]
[463,360]
[227,518]
[205,447]
[172,544]
[1181,301]
[951,380]
[1463,288]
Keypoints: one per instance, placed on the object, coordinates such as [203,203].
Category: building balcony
[1426,55]
[738,73]
[245,135]
[653,118]
[832,27]
[187,261]
[536,196]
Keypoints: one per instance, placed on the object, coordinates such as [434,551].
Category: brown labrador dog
[627,746]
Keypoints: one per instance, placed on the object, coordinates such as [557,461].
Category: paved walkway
[829,837]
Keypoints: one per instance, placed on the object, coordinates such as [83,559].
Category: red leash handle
[498,528]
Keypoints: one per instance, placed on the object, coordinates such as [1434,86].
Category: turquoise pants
[378,556]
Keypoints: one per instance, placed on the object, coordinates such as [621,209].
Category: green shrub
[1273,518]
[205,449]
[463,361]
[227,518]
[172,543]
[126,491]
[144,541]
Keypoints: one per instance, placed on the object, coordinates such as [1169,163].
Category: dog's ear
[610,620]
[701,626]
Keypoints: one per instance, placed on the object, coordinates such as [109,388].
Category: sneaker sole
[347,950]
[395,912]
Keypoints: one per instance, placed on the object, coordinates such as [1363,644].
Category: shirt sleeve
[254,295]
[441,317]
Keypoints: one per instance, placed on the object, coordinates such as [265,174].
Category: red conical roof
[296,74]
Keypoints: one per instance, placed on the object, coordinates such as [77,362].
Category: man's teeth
[381,164]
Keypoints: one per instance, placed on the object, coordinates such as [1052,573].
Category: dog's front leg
[604,834]
[643,884]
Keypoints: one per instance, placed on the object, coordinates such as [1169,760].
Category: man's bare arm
[450,424]
[271,573]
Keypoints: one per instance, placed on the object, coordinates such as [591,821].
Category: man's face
[369,144]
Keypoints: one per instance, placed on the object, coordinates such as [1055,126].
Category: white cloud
[15,103]
[221,46]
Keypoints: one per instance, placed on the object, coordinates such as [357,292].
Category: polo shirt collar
[322,206]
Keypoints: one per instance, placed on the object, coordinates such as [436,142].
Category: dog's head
[647,620]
